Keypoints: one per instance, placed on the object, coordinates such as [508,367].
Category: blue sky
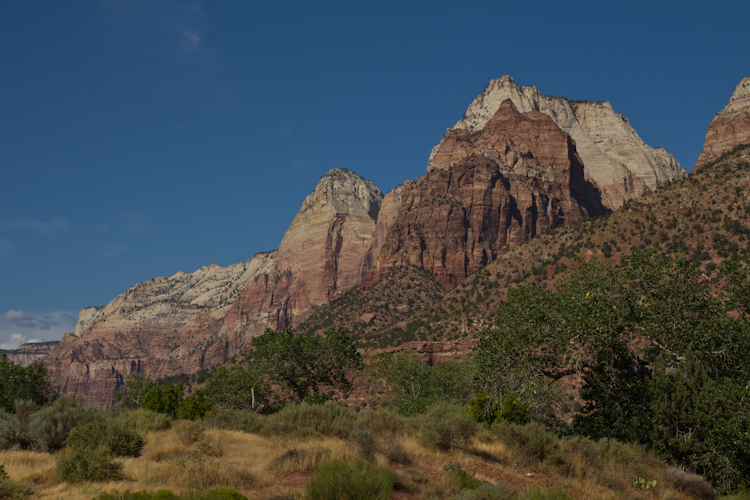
[142,138]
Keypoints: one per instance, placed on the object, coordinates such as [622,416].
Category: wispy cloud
[12,316]
[176,30]
[25,320]
[38,227]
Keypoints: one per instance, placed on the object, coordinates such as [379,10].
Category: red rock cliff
[186,322]
[486,192]
[730,127]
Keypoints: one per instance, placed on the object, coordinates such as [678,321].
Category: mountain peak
[730,127]
[615,158]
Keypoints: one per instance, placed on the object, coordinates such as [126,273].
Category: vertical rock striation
[730,127]
[485,192]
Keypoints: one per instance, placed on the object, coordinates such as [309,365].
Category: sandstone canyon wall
[186,322]
[485,192]
[730,127]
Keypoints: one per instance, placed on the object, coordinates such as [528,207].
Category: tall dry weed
[34,468]
[198,473]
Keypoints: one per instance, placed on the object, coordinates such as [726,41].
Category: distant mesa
[729,128]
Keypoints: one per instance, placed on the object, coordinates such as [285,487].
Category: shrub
[189,432]
[14,432]
[304,460]
[366,443]
[119,441]
[138,495]
[49,427]
[445,427]
[692,484]
[12,490]
[394,451]
[531,443]
[81,464]
[381,421]
[236,420]
[215,494]
[306,420]
[488,492]
[143,421]
[457,478]
[339,480]
[533,492]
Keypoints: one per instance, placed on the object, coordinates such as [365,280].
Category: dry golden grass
[277,466]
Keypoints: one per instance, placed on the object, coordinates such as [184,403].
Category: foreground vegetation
[326,452]
[622,379]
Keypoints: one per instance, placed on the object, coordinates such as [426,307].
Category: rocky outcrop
[158,327]
[29,353]
[321,256]
[388,212]
[616,160]
[485,192]
[186,322]
[730,127]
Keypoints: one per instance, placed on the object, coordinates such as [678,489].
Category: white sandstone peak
[615,158]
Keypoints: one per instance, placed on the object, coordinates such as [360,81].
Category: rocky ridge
[730,127]
[617,161]
[29,353]
[186,322]
[491,185]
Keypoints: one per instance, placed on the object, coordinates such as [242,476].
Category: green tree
[195,406]
[617,326]
[301,364]
[403,382]
[164,398]
[136,387]
[238,388]
[17,382]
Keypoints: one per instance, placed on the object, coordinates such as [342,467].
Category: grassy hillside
[440,455]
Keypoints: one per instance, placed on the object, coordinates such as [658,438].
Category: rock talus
[730,127]
[616,160]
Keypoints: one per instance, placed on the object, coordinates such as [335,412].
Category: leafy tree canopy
[238,388]
[18,382]
[664,361]
[301,364]
[406,384]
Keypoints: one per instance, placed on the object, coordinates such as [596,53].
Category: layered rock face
[186,322]
[617,161]
[485,192]
[32,352]
[157,327]
[730,127]
[321,255]
[388,213]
